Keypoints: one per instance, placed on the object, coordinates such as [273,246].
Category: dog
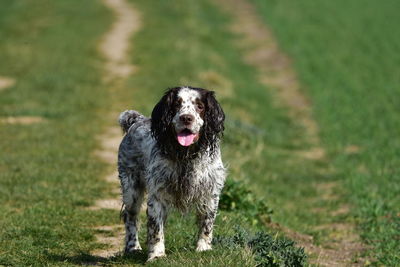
[175,157]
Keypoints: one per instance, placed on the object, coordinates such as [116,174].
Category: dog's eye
[200,106]
[177,105]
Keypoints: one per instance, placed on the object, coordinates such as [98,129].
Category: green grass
[48,173]
[260,138]
[185,43]
[345,53]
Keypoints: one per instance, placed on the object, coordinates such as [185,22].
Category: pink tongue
[186,139]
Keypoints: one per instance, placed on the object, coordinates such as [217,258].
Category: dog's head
[186,120]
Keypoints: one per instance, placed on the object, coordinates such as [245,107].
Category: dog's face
[187,116]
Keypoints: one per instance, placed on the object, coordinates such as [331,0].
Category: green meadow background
[345,54]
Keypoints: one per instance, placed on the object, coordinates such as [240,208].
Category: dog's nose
[186,119]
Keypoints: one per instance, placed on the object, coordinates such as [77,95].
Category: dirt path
[343,246]
[115,47]
[115,44]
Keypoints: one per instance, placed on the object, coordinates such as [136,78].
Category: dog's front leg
[206,218]
[156,216]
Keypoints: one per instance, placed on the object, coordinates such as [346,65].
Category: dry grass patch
[217,82]
[23,120]
[112,236]
[6,82]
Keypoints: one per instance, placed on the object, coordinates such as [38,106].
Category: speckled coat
[151,160]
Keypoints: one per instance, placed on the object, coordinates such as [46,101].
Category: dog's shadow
[86,259]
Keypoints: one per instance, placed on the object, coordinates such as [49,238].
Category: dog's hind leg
[132,192]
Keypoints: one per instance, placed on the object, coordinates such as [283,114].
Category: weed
[268,250]
[236,196]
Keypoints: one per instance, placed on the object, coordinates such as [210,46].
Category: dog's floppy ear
[214,115]
[162,114]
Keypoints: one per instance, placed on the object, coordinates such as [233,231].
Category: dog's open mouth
[186,137]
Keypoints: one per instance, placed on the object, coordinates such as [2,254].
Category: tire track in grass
[114,47]
[343,245]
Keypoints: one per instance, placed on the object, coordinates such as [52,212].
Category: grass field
[48,171]
[346,63]
[345,55]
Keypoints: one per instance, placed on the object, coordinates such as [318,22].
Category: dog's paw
[156,251]
[154,256]
[202,245]
[133,249]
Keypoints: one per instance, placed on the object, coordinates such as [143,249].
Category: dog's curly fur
[174,174]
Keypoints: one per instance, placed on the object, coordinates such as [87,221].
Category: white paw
[133,249]
[202,245]
[154,256]
[157,251]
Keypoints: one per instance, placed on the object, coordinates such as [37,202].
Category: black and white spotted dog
[175,157]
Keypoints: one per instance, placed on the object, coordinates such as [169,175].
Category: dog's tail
[128,118]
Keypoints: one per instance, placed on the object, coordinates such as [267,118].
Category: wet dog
[175,157]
